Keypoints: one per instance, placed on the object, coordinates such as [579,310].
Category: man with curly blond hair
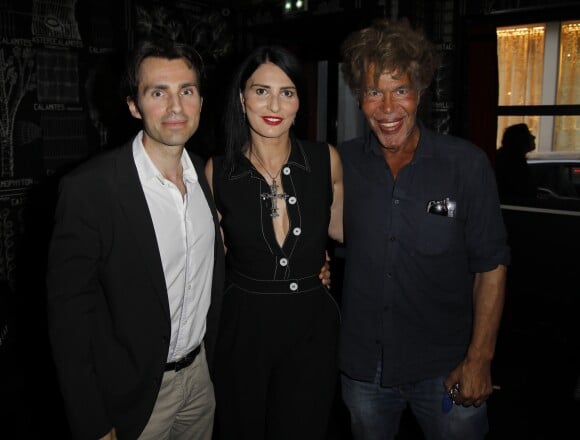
[426,252]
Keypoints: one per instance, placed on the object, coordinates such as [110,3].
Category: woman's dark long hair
[236,129]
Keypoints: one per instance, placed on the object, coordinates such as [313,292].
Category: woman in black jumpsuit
[279,199]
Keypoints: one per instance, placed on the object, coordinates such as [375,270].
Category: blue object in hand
[449,398]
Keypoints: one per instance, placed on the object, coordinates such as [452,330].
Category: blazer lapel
[135,208]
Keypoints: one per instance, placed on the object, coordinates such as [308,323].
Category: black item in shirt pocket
[444,207]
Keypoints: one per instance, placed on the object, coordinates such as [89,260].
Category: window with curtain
[531,74]
[567,128]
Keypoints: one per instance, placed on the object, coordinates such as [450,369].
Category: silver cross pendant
[273,196]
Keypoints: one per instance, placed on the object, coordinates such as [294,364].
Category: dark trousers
[276,365]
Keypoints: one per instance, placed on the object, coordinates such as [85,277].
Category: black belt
[184,361]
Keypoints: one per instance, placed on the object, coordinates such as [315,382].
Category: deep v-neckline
[283,218]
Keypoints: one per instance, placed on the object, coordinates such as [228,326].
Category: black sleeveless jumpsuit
[276,354]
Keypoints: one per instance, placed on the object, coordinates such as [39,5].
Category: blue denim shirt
[408,285]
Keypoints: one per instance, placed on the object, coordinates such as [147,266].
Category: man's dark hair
[159,48]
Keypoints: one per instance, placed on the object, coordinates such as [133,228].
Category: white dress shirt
[185,235]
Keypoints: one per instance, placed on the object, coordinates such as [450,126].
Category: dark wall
[58,66]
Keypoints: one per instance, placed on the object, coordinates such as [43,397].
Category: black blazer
[108,308]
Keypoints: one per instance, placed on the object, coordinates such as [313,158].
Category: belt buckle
[180,364]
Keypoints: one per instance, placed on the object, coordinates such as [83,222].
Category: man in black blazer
[135,256]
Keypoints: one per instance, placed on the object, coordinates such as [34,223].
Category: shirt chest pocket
[438,235]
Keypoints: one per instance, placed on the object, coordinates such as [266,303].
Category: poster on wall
[50,54]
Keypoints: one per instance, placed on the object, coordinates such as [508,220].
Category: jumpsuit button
[292,200]
[293,287]
[297,231]
[283,262]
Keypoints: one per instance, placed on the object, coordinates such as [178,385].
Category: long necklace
[273,195]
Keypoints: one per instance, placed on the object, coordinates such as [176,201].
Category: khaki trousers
[185,406]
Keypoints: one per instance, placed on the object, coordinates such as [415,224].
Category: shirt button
[392,239]
[396,201]
[297,231]
[293,287]
[292,200]
[283,262]
[389,275]
[286,171]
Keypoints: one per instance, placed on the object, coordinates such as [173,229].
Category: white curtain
[520,53]
[567,128]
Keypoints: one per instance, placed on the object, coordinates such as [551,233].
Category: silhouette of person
[512,171]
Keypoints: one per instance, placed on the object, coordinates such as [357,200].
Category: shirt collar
[147,169]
